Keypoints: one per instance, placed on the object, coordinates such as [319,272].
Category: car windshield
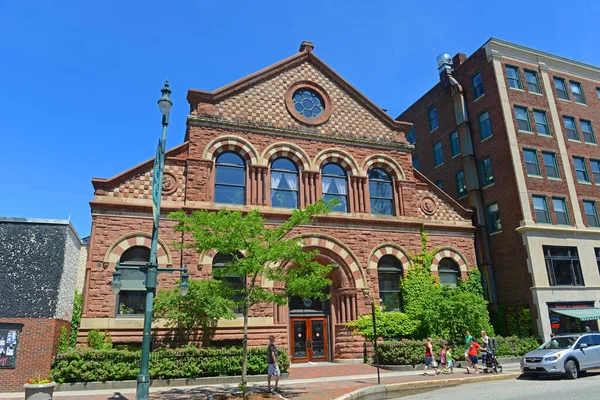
[559,343]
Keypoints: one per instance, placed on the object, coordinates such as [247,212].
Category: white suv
[565,354]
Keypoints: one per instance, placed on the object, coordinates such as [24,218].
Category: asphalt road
[546,388]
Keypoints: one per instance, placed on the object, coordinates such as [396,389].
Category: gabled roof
[105,184]
[195,96]
[464,212]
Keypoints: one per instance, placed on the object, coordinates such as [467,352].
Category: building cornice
[558,230]
[340,220]
[294,132]
[535,57]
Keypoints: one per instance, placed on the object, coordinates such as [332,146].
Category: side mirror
[583,346]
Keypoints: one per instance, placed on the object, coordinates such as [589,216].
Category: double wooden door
[309,339]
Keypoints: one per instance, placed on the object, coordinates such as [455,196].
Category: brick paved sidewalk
[319,382]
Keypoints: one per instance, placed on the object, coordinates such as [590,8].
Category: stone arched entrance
[313,325]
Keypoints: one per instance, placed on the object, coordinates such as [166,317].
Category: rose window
[308,103]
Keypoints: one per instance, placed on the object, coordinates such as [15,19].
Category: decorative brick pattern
[265,102]
[392,250]
[384,162]
[288,150]
[449,253]
[139,186]
[231,143]
[444,212]
[117,249]
[337,156]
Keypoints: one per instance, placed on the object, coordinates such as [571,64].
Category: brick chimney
[306,46]
[458,59]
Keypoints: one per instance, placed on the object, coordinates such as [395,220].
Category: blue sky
[80,79]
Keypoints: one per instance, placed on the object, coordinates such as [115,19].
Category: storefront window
[562,264]
[573,317]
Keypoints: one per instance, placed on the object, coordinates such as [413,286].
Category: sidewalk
[315,382]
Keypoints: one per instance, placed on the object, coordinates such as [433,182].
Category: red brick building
[275,140]
[509,131]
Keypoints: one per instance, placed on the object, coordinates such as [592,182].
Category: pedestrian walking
[449,361]
[273,368]
[443,358]
[468,340]
[485,347]
[429,358]
[474,347]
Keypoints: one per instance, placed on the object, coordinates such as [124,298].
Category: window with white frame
[522,119]
[540,205]
[577,91]
[560,211]
[533,84]
[591,213]
[550,164]
[561,88]
[514,77]
[531,162]
[581,169]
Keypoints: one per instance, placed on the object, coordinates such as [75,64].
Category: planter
[39,391]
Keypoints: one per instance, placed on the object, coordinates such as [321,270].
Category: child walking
[443,358]
[449,361]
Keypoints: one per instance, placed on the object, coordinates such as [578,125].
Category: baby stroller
[489,358]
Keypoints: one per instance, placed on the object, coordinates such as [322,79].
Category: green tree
[201,309]
[443,311]
[268,253]
[389,325]
[75,319]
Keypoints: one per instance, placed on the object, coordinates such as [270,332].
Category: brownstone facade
[255,119]
[519,248]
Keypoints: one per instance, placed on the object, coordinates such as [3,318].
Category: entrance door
[309,339]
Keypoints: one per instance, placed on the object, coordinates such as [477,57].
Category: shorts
[473,359]
[450,364]
[273,370]
[428,360]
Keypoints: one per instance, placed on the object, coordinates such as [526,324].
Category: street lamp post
[151,269]
[375,355]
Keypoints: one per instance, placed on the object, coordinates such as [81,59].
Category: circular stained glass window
[308,103]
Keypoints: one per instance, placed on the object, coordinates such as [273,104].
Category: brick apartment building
[276,140]
[509,131]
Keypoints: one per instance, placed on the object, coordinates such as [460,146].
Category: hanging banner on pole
[156,183]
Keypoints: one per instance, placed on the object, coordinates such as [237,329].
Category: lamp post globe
[165,103]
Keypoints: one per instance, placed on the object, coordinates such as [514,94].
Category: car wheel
[571,369]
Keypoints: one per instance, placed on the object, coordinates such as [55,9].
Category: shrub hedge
[89,365]
[412,352]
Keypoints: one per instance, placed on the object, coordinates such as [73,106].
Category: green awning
[584,314]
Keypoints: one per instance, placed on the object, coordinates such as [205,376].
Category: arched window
[448,272]
[389,272]
[284,183]
[230,179]
[131,299]
[380,191]
[233,281]
[335,186]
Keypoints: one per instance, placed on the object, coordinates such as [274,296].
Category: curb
[166,383]
[384,391]
[458,364]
